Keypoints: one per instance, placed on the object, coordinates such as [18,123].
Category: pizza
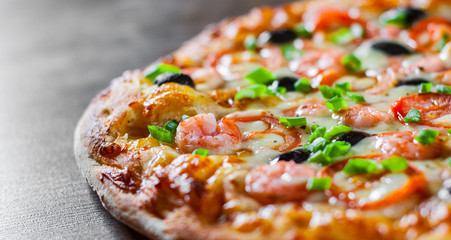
[313,120]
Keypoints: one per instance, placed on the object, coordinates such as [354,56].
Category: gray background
[55,55]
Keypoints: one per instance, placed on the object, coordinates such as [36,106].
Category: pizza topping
[283,181]
[431,106]
[200,152]
[411,82]
[278,37]
[413,116]
[179,78]
[293,121]
[351,63]
[260,75]
[346,35]
[368,183]
[253,91]
[402,16]
[285,82]
[352,137]
[303,85]
[336,104]
[426,136]
[427,34]
[391,48]
[319,184]
[403,144]
[297,155]
[443,89]
[425,88]
[156,70]
[161,134]
[202,131]
[250,43]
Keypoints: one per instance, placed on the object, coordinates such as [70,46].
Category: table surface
[55,55]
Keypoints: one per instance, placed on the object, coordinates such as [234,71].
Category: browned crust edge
[116,202]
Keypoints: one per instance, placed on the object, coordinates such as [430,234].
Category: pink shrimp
[427,64]
[362,117]
[403,144]
[202,131]
[284,181]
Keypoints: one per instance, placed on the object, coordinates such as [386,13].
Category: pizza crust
[119,204]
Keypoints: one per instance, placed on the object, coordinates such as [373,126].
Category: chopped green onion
[315,126]
[361,165]
[250,42]
[395,17]
[290,52]
[293,121]
[342,36]
[260,75]
[171,126]
[356,97]
[252,91]
[161,134]
[303,85]
[413,116]
[337,130]
[319,157]
[443,89]
[336,104]
[425,88]
[319,184]
[328,92]
[184,117]
[161,68]
[426,136]
[201,152]
[449,131]
[318,144]
[319,132]
[443,41]
[343,87]
[395,164]
[351,63]
[336,149]
[448,160]
[302,32]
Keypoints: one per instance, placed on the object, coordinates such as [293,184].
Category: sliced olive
[352,137]
[179,78]
[391,48]
[298,156]
[286,82]
[280,36]
[411,82]
[403,16]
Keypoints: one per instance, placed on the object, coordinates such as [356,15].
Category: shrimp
[283,181]
[403,144]
[324,67]
[313,108]
[202,131]
[362,117]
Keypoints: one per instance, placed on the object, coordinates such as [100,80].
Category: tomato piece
[373,190]
[324,18]
[403,144]
[432,27]
[431,107]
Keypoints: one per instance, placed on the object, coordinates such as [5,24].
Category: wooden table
[55,55]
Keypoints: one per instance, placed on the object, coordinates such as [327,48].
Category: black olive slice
[179,78]
[352,137]
[298,156]
[391,48]
[411,82]
[286,82]
[280,36]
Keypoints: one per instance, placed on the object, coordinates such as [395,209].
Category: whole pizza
[323,119]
